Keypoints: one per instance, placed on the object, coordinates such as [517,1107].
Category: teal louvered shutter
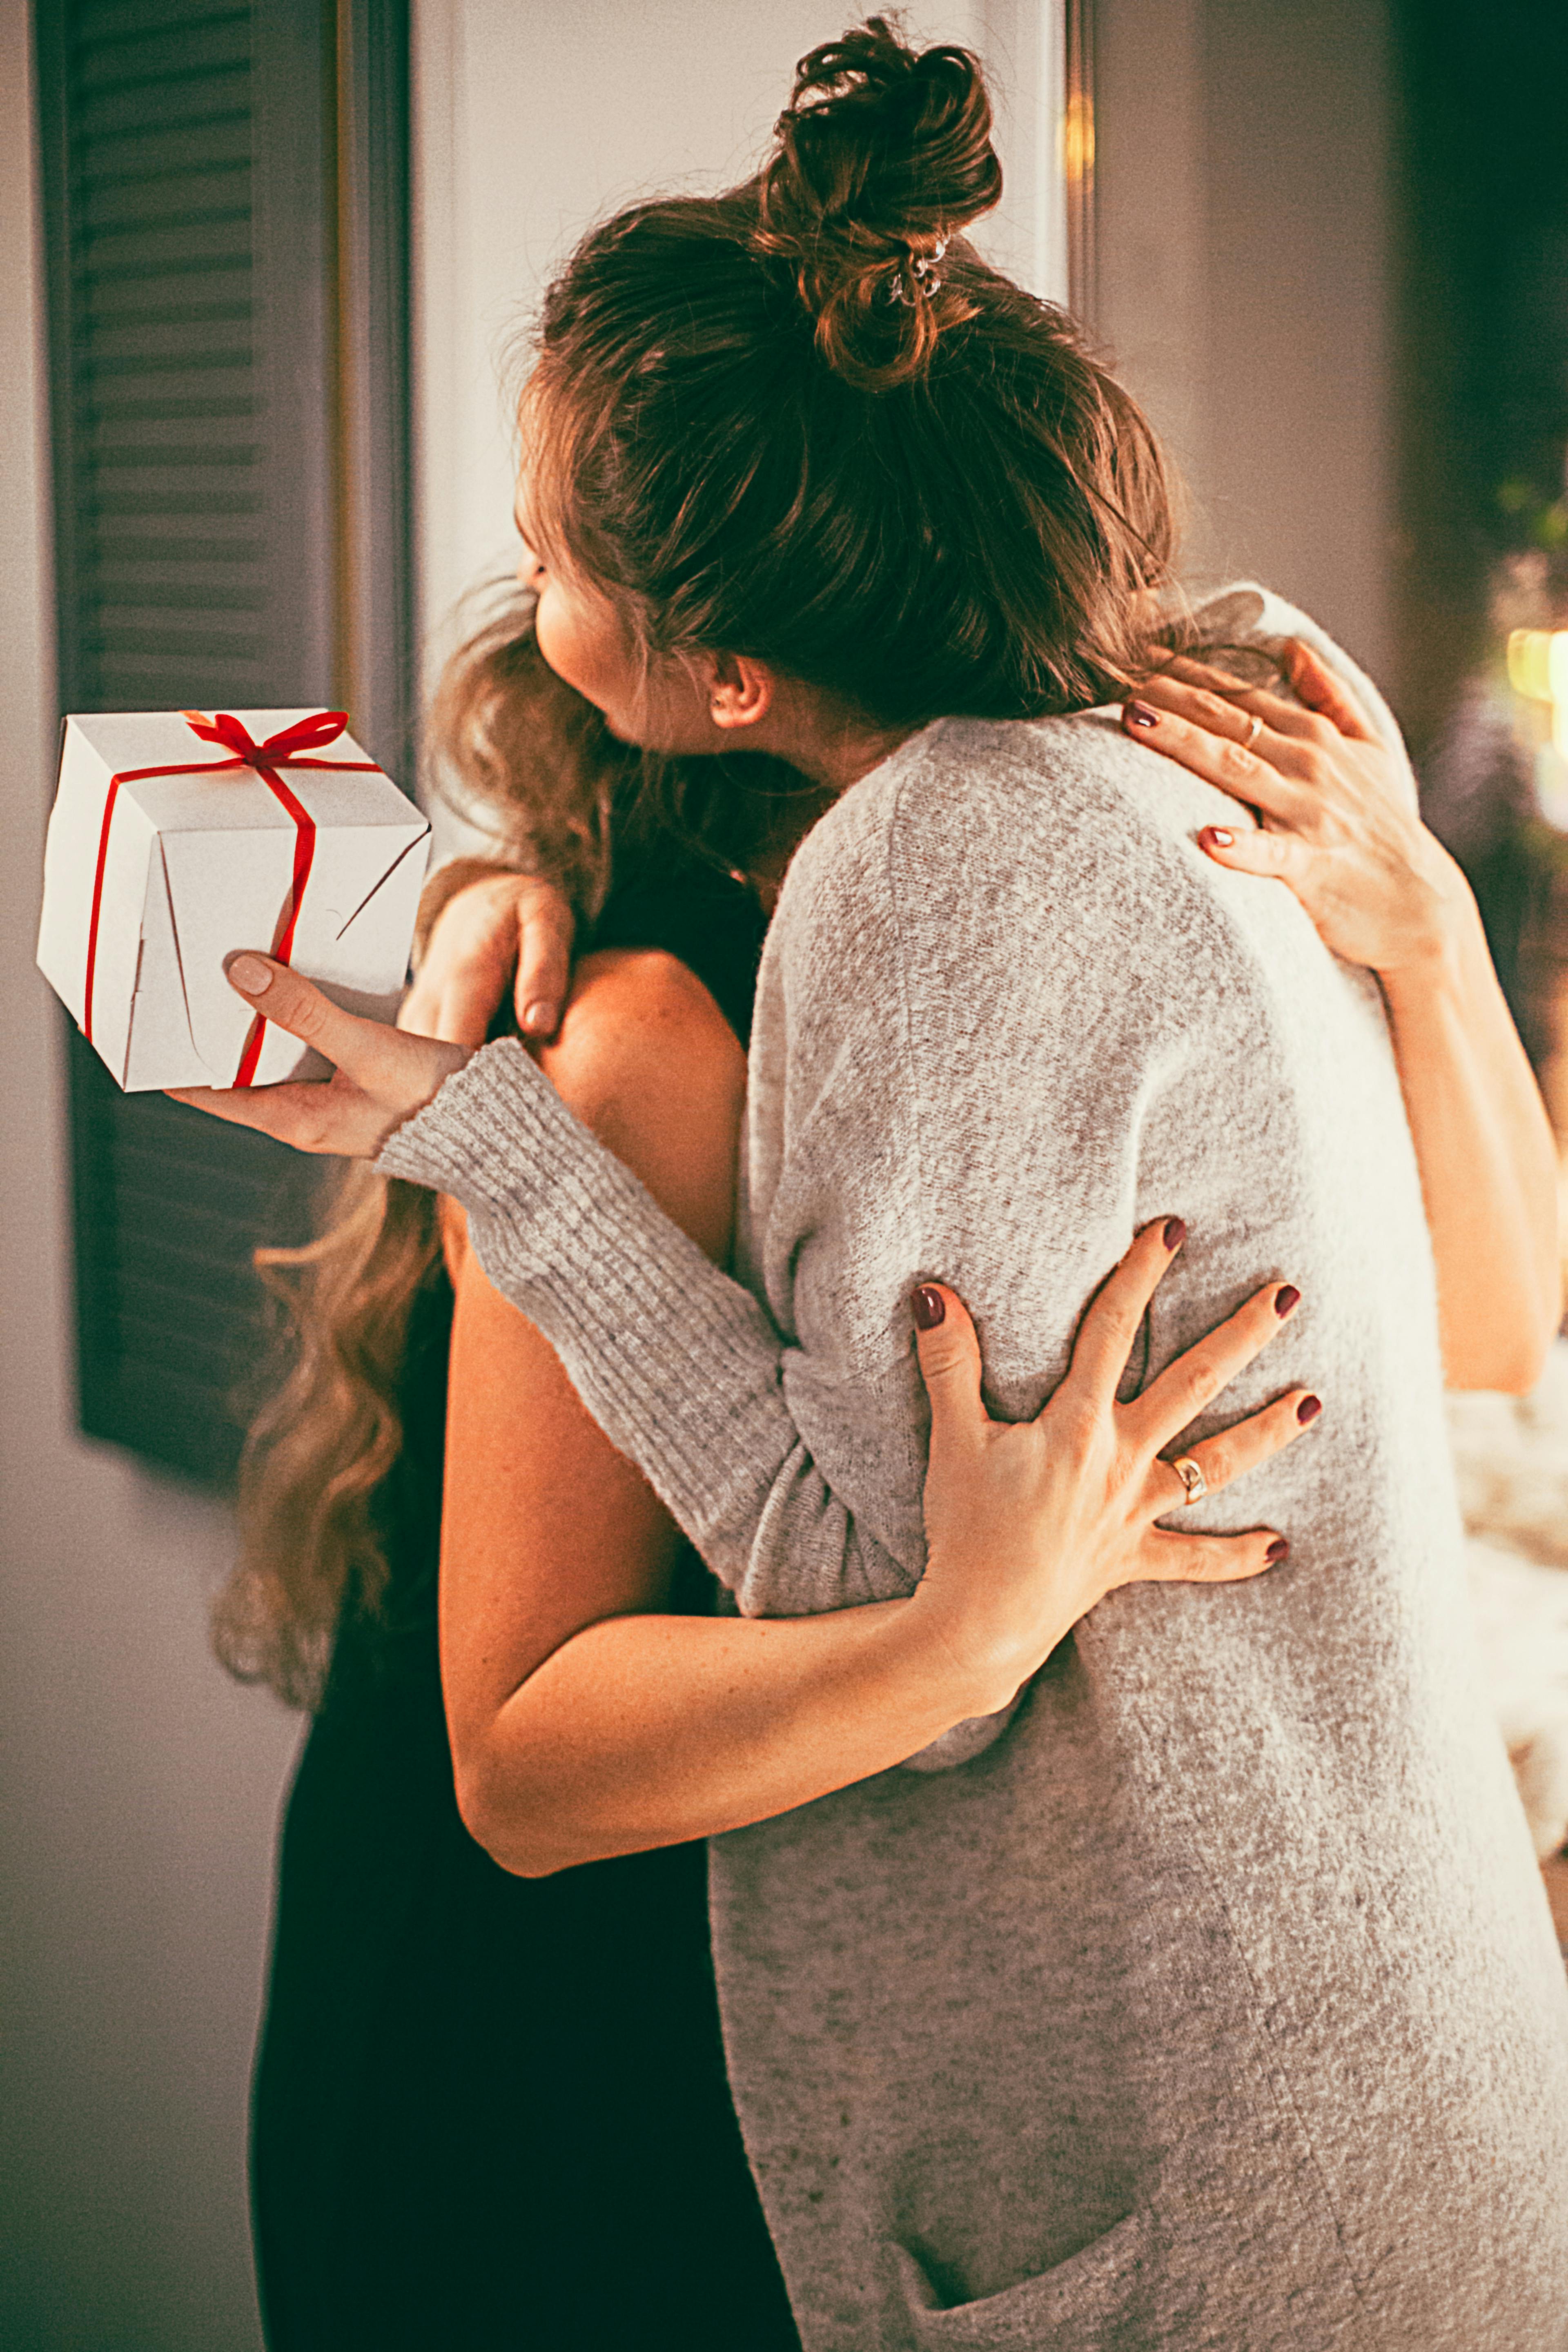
[192,189]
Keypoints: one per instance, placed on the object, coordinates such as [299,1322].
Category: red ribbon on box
[283,750]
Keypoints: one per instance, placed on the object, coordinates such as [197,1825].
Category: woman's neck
[830,758]
[831,744]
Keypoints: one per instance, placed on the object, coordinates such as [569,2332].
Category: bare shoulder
[646,1059]
[628,1006]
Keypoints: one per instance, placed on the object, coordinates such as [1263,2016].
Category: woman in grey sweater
[1201,1994]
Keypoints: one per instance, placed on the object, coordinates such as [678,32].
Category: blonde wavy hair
[515,746]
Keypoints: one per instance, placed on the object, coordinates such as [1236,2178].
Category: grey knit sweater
[1213,2001]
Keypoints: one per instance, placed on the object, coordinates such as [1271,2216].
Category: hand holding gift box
[161,860]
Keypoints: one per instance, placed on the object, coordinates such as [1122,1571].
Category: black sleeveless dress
[491,2112]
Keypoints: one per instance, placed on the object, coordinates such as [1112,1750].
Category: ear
[740,690]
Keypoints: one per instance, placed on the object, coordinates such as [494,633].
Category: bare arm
[1487,1160]
[581,1730]
[1340,829]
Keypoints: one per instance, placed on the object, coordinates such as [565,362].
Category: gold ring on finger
[1253,729]
[1192,1478]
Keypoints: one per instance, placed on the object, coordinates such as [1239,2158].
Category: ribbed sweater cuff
[677,1363]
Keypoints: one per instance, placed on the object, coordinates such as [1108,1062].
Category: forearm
[647,1731]
[1488,1162]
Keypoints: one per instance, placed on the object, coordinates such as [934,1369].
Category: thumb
[1250,849]
[1322,690]
[949,1354]
[389,1063]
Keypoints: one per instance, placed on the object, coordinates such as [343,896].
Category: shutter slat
[118,115]
[105,21]
[158,64]
[122,539]
[171,588]
[217,241]
[144,193]
[192,349]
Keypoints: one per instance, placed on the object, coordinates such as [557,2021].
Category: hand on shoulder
[1337,823]
[484,932]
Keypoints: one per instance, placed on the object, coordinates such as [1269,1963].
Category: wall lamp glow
[1538,669]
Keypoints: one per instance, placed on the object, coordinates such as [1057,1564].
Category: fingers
[1231,701]
[1111,1321]
[1241,769]
[1314,683]
[388,1063]
[467,1007]
[454,1006]
[1232,1452]
[1170,1558]
[498,935]
[1325,692]
[1171,1402]
[1251,849]
[546,931]
[308,1117]
[420,1010]
[949,1355]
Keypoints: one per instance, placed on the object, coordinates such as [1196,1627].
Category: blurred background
[257,263]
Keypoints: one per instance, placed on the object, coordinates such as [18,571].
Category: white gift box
[150,881]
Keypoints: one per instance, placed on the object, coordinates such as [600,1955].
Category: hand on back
[1029,1524]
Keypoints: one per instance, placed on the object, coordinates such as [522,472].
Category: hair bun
[884,154]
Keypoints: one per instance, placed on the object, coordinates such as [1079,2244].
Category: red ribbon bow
[283,750]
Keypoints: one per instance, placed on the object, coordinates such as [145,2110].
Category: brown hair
[774,423]
[508,739]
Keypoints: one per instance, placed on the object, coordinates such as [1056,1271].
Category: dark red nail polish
[1308,1409]
[1175,1233]
[1284,1300]
[1217,836]
[1277,1550]
[1140,715]
[930,1307]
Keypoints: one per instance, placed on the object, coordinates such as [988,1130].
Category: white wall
[138,1787]
[1245,195]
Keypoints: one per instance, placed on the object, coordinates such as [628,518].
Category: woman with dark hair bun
[1101,1964]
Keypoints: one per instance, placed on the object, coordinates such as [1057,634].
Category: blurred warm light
[1075,140]
[1538,669]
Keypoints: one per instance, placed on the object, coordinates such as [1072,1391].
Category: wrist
[1450,952]
[979,1659]
[1442,947]
[458,874]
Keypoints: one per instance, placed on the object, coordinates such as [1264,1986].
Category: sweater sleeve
[678,1364]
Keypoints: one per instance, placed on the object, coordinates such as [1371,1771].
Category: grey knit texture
[1214,2005]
